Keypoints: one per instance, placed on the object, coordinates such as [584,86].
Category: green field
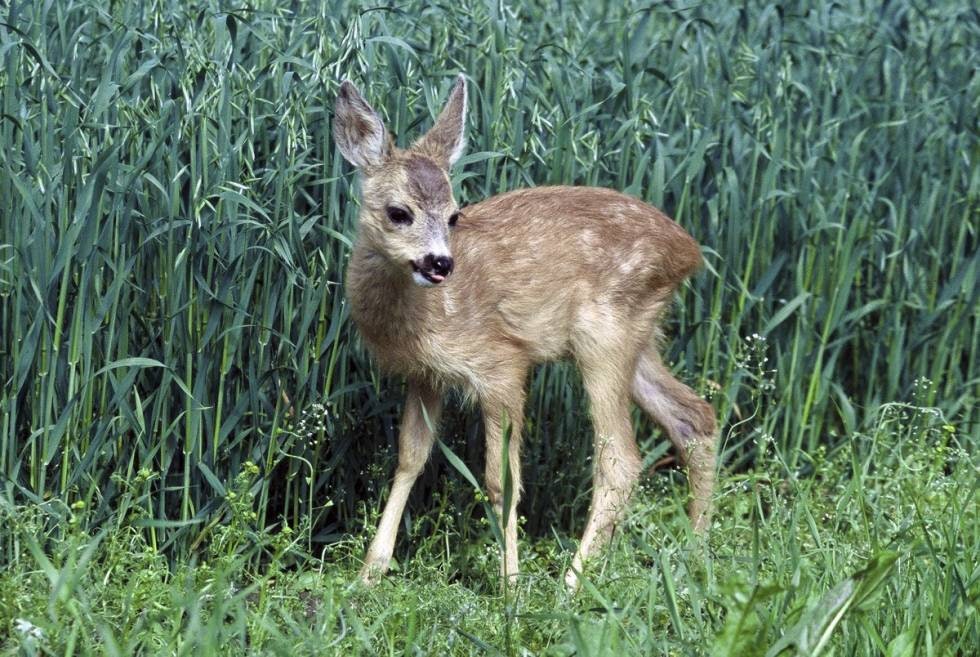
[194,444]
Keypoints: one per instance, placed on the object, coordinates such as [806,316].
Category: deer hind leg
[504,416]
[415,437]
[690,424]
[617,460]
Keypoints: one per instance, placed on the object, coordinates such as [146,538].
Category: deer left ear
[445,141]
[357,129]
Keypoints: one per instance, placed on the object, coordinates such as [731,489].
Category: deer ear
[445,142]
[358,130]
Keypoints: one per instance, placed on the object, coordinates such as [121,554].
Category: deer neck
[392,312]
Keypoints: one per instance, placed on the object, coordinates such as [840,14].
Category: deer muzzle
[432,269]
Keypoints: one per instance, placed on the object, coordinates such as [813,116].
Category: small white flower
[28,629]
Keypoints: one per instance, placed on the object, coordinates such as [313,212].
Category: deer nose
[442,265]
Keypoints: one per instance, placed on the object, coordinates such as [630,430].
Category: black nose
[442,265]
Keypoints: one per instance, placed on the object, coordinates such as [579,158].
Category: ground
[872,551]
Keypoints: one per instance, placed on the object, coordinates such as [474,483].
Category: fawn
[473,297]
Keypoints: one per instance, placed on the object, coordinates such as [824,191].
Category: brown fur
[540,274]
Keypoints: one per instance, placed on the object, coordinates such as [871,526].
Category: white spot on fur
[631,263]
[449,302]
[619,211]
[588,240]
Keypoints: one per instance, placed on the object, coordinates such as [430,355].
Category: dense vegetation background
[175,221]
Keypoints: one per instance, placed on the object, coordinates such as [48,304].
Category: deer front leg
[505,419]
[416,434]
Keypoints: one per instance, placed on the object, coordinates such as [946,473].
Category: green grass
[174,224]
[902,498]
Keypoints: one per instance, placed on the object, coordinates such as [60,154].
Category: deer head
[407,207]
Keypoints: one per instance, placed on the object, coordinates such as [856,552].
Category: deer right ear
[445,141]
[358,130]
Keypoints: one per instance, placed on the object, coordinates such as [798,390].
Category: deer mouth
[425,276]
[432,269]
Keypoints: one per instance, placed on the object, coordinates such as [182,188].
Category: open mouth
[426,275]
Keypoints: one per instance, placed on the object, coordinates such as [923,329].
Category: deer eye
[453,218]
[398,215]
